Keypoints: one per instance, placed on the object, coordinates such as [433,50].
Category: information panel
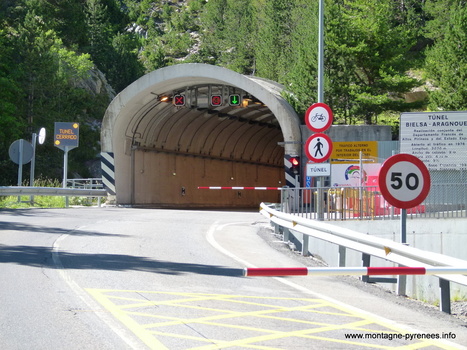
[66,135]
[342,152]
[438,139]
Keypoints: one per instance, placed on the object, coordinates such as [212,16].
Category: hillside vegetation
[376,52]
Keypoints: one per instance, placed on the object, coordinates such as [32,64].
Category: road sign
[20,152]
[179,100]
[66,135]
[343,152]
[216,100]
[318,117]
[313,170]
[404,181]
[318,147]
[437,138]
[234,100]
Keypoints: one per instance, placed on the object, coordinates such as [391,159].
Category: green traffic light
[234,100]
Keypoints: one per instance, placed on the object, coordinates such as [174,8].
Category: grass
[23,202]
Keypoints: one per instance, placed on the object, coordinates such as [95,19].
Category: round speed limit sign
[404,181]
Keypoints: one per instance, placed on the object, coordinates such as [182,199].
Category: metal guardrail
[88,183]
[50,191]
[369,245]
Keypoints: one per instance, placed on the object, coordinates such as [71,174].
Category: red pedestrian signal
[216,100]
[179,100]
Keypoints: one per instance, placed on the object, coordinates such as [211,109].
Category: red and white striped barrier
[237,188]
[357,271]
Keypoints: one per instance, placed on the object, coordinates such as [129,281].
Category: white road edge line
[401,327]
[102,313]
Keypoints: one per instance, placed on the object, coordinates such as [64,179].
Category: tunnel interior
[180,148]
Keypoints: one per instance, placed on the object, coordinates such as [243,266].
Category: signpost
[35,138]
[21,153]
[318,117]
[66,137]
[404,182]
[318,147]
[437,138]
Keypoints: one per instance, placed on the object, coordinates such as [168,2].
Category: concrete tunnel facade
[157,154]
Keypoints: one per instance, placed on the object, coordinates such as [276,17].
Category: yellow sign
[343,152]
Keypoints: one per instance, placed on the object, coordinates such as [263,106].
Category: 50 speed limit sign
[404,181]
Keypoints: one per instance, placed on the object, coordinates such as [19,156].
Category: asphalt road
[120,278]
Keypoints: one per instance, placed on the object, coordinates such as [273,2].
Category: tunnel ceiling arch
[139,118]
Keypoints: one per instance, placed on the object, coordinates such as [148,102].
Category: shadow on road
[19,226]
[42,257]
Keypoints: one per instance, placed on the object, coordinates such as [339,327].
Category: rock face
[97,84]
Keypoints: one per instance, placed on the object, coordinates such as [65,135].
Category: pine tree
[367,50]
[272,50]
[446,62]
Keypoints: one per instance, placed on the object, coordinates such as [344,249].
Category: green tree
[12,125]
[446,61]
[369,50]
[302,73]
[272,51]
[227,34]
[100,34]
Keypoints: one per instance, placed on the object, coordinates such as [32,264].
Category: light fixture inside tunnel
[165,98]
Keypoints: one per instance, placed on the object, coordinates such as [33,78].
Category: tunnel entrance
[193,125]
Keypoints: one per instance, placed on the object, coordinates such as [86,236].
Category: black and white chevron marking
[108,172]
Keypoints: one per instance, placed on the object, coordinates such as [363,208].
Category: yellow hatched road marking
[270,307]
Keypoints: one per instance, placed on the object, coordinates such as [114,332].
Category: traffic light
[234,100]
[179,100]
[216,100]
[295,165]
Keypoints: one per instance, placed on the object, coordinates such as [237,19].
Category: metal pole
[402,280]
[33,160]
[321,52]
[20,165]
[20,162]
[319,204]
[360,189]
[33,163]
[65,171]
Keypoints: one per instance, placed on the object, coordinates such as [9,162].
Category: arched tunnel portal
[155,153]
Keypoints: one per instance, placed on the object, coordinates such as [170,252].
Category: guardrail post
[444,295]
[341,256]
[401,284]
[286,233]
[305,251]
[366,263]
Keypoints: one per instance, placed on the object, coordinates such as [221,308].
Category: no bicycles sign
[318,117]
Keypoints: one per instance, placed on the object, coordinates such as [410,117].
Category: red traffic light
[295,161]
[216,100]
[179,100]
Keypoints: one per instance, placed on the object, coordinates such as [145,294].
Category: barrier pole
[351,271]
